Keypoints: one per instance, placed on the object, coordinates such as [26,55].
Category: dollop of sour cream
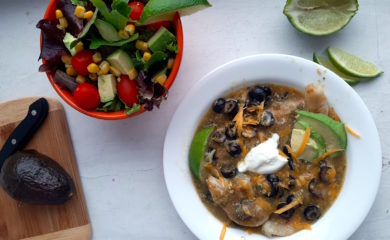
[264,158]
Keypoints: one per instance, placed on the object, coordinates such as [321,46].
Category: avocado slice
[312,150]
[333,132]
[107,31]
[313,134]
[121,61]
[107,87]
[160,40]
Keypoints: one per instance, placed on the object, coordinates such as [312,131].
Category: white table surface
[120,162]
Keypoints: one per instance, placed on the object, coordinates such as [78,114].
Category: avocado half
[31,177]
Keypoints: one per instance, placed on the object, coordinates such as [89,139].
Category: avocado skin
[34,178]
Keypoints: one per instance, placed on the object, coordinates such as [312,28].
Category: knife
[37,112]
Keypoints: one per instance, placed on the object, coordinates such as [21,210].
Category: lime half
[197,149]
[326,63]
[320,17]
[352,65]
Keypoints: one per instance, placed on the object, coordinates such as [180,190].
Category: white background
[120,162]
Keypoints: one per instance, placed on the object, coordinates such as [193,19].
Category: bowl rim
[173,163]
[67,96]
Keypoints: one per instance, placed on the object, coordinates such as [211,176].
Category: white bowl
[364,157]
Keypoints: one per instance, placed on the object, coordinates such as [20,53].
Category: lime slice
[197,149]
[160,10]
[326,63]
[320,17]
[352,65]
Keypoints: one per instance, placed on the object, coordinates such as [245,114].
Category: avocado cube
[107,87]
[160,40]
[121,61]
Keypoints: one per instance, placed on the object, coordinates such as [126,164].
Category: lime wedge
[320,17]
[160,10]
[353,65]
[326,63]
[197,149]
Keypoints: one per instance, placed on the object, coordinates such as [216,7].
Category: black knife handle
[22,134]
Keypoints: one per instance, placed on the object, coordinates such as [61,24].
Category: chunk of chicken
[232,197]
[284,110]
[277,226]
[315,99]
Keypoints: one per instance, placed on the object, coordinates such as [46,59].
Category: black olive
[268,93]
[231,107]
[218,135]
[312,212]
[219,105]
[287,214]
[324,176]
[234,149]
[253,102]
[272,178]
[290,198]
[267,119]
[228,171]
[291,182]
[231,132]
[257,93]
[211,156]
[274,190]
[285,151]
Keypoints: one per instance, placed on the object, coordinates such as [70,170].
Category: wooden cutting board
[33,222]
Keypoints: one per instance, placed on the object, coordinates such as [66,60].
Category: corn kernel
[97,57]
[115,71]
[147,56]
[79,47]
[123,34]
[93,68]
[66,59]
[71,71]
[161,79]
[63,22]
[93,76]
[80,79]
[79,11]
[88,15]
[130,29]
[170,63]
[132,73]
[59,14]
[141,45]
[104,68]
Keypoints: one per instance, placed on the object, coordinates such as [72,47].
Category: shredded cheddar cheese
[327,154]
[223,232]
[293,156]
[352,132]
[305,139]
[239,119]
[295,202]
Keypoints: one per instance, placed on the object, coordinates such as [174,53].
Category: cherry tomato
[86,96]
[156,26]
[81,60]
[136,10]
[127,90]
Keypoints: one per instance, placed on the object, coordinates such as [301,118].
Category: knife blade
[37,113]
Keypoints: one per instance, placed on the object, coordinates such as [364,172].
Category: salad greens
[107,56]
